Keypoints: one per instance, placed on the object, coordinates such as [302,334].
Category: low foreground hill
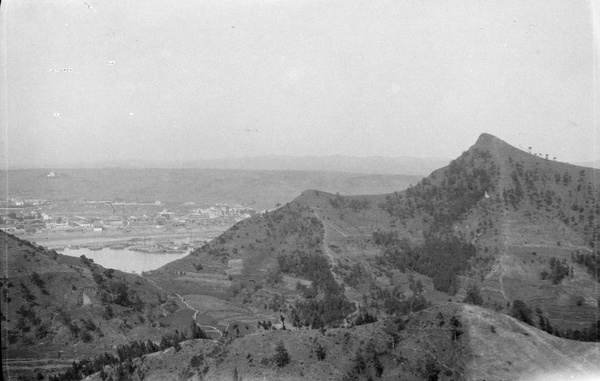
[506,348]
[56,309]
[446,342]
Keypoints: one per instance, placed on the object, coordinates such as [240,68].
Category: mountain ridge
[487,268]
[501,204]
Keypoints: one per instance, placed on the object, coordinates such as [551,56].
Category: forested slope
[59,308]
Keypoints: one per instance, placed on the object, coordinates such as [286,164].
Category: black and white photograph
[286,190]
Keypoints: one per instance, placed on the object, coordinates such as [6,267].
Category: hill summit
[488,142]
[513,225]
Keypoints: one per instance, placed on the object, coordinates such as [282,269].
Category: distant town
[30,216]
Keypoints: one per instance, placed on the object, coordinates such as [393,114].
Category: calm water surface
[125,259]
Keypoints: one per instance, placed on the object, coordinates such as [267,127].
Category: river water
[125,259]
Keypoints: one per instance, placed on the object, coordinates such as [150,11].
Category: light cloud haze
[152,80]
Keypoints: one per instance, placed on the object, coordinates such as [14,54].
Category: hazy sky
[146,80]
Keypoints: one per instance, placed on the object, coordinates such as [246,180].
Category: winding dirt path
[203,326]
[211,328]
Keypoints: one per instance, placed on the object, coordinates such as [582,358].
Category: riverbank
[56,239]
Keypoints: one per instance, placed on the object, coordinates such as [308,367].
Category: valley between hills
[488,268]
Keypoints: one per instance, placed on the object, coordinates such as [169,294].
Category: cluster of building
[219,211]
[30,222]
[22,202]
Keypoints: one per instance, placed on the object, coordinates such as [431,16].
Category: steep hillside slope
[494,178]
[505,348]
[449,342]
[511,224]
[533,221]
[56,308]
[258,264]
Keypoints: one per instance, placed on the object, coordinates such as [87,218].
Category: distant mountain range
[260,189]
[403,165]
[400,165]
[368,165]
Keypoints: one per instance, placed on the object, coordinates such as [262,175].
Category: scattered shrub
[281,357]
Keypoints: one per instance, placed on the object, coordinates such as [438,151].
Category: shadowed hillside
[56,308]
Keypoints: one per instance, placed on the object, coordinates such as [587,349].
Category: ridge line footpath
[326,250]
[330,225]
[504,177]
[505,227]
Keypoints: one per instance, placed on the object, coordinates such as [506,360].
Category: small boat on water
[96,247]
[117,247]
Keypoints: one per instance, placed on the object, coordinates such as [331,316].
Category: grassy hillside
[450,342]
[505,348]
